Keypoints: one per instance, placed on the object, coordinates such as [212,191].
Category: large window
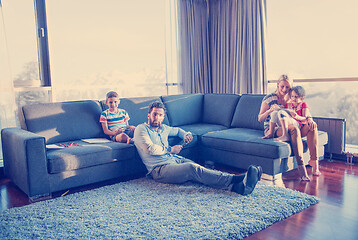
[20,32]
[312,39]
[93,47]
[18,57]
[114,45]
[317,41]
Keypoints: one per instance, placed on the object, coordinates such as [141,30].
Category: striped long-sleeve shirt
[115,120]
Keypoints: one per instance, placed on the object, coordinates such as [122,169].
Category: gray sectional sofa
[224,126]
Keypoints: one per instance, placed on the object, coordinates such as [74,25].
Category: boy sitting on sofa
[115,121]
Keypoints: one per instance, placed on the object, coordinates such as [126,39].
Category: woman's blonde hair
[284,77]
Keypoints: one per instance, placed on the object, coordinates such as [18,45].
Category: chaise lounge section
[224,126]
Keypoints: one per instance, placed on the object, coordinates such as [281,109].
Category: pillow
[184,109]
[219,108]
[247,111]
[64,121]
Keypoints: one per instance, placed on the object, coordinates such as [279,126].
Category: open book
[96,140]
[54,146]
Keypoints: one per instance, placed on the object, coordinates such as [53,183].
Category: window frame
[42,43]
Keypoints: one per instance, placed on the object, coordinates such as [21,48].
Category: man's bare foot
[303,173]
[267,136]
[282,139]
[315,167]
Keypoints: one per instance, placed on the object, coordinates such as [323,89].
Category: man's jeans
[187,170]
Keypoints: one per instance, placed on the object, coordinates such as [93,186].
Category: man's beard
[154,124]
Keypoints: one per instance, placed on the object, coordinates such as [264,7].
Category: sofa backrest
[137,108]
[184,109]
[59,122]
[219,108]
[247,111]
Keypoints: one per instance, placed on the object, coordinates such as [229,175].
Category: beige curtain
[194,46]
[223,46]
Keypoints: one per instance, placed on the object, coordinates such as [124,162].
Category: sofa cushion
[88,155]
[184,109]
[247,111]
[202,128]
[246,141]
[137,108]
[59,122]
[219,108]
[250,142]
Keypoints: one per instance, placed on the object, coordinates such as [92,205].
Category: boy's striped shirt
[115,120]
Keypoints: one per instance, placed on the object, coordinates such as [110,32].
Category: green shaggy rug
[144,209]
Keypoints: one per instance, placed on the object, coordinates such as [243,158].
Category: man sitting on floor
[165,166]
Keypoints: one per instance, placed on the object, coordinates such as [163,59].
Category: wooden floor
[334,217]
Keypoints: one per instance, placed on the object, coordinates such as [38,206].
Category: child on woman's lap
[280,118]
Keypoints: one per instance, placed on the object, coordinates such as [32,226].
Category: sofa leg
[275,180]
[39,198]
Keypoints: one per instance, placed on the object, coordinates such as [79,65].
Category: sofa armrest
[25,161]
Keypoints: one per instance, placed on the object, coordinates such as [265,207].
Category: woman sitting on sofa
[278,99]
